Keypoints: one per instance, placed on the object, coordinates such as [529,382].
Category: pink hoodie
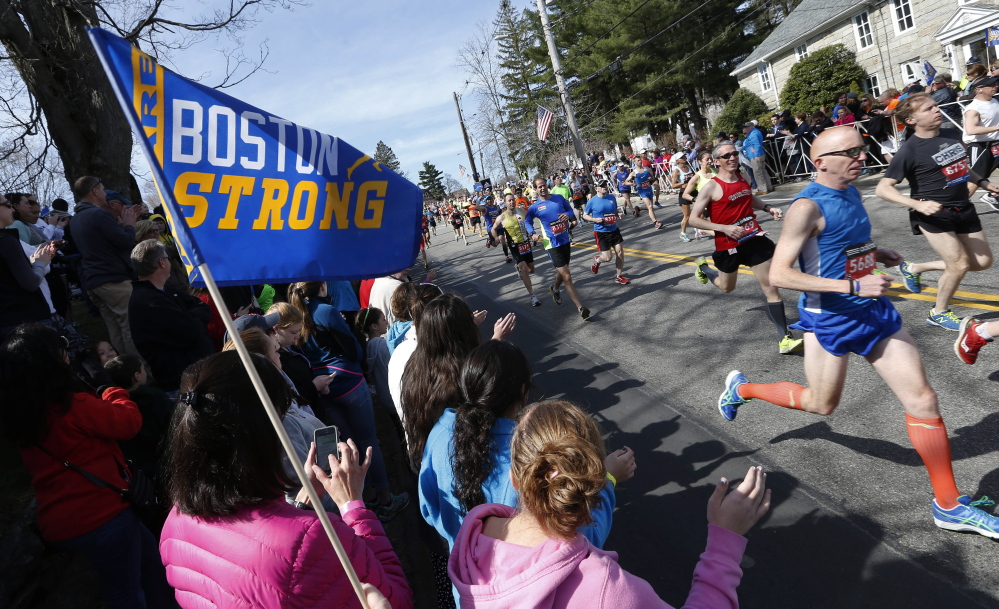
[559,574]
[276,556]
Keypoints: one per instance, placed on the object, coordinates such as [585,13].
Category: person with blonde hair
[534,556]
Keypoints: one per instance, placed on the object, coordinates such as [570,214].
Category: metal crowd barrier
[787,163]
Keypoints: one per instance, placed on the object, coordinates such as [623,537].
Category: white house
[892,40]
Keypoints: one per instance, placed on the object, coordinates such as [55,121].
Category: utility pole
[468,144]
[570,114]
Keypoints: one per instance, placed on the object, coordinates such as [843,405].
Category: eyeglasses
[850,152]
[727,155]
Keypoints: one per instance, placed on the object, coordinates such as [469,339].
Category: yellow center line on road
[990,301]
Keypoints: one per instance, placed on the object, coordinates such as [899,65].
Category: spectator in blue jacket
[753,150]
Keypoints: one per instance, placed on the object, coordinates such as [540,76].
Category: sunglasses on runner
[850,152]
[727,155]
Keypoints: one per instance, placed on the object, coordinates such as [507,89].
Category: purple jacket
[559,574]
[275,555]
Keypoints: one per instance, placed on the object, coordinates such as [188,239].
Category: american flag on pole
[545,118]
[461,170]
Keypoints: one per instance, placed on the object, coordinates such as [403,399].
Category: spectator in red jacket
[52,423]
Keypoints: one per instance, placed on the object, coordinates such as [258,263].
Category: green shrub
[743,106]
[815,80]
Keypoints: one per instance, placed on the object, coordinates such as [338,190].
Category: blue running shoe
[912,281]
[981,503]
[966,518]
[730,400]
[946,320]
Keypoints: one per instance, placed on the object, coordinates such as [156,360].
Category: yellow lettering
[275,196]
[376,206]
[310,190]
[335,202]
[235,187]
[205,181]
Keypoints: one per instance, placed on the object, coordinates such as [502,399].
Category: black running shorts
[560,255]
[607,240]
[521,252]
[757,250]
[983,160]
[960,220]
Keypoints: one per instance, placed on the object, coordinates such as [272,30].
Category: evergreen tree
[385,156]
[814,81]
[526,83]
[431,180]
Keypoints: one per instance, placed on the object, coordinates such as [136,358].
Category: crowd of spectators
[152,454]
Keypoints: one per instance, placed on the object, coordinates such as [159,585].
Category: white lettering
[255,140]
[190,134]
[309,166]
[281,123]
[229,116]
[327,151]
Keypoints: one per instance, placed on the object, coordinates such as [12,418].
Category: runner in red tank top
[729,202]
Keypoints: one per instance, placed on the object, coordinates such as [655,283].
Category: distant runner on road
[602,211]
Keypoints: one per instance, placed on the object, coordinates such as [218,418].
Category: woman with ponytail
[502,554]
[331,348]
[467,457]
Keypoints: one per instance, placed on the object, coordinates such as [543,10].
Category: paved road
[851,522]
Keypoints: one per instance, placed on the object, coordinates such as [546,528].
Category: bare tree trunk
[51,51]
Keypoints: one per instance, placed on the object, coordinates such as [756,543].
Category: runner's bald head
[836,138]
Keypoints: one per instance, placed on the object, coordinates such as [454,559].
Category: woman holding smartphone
[230,520]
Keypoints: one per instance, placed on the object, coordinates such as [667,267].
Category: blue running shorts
[645,194]
[856,332]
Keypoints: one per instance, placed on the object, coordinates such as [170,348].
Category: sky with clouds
[361,71]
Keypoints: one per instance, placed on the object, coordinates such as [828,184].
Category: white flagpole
[258,384]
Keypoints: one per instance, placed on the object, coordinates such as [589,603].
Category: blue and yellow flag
[258,197]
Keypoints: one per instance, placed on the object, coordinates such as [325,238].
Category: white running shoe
[990,198]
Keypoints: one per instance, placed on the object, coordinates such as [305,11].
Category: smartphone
[326,440]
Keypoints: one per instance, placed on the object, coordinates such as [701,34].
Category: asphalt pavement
[850,524]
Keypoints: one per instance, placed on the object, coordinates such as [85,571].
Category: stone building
[892,39]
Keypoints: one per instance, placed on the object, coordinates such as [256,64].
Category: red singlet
[734,207]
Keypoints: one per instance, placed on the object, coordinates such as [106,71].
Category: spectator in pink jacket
[534,556]
[232,540]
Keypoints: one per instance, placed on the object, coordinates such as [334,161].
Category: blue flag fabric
[257,197]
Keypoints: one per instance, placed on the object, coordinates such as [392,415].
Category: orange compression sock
[929,438]
[787,395]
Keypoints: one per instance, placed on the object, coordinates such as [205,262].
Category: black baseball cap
[988,81]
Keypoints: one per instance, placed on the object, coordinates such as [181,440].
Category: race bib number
[577,193]
[610,219]
[957,173]
[861,259]
[995,149]
[644,185]
[750,228]
[524,248]
[559,227]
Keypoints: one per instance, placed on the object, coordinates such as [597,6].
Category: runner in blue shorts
[621,181]
[844,310]
[641,179]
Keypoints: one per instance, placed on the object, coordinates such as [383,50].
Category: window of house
[902,11]
[911,70]
[766,82]
[873,85]
[862,30]
[801,51]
